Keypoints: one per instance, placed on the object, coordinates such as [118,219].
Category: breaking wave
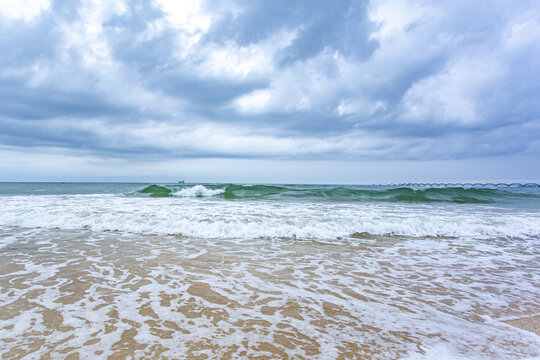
[198,191]
[454,194]
[215,218]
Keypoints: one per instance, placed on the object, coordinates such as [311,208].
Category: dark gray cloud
[342,25]
[19,101]
[380,79]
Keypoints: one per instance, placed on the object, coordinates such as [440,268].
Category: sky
[281,91]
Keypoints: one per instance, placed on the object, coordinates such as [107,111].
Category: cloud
[26,10]
[304,80]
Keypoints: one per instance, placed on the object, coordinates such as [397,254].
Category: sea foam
[416,300]
[214,218]
[198,191]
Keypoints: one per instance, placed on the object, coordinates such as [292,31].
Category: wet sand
[86,295]
[529,323]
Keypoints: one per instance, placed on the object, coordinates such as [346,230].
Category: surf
[400,194]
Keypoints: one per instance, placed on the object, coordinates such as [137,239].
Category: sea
[265,271]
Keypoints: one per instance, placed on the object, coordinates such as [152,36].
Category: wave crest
[455,194]
[198,191]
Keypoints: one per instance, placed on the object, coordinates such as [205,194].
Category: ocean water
[217,271]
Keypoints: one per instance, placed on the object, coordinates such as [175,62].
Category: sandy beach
[80,295]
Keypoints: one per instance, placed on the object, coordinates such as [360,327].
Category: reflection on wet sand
[79,294]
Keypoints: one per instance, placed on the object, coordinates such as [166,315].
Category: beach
[314,180]
[116,273]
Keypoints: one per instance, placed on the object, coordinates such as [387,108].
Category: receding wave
[455,194]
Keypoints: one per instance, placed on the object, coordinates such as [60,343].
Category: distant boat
[181,182]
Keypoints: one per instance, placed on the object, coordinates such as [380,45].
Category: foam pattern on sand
[212,219]
[69,293]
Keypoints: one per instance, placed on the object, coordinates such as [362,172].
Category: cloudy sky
[270,91]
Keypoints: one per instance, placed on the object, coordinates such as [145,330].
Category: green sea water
[521,195]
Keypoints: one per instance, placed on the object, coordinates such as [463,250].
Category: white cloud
[85,63]
[451,95]
[188,19]
[360,106]
[310,85]
[252,61]
[26,10]
[86,35]
[186,15]
[254,102]
[395,17]
[525,32]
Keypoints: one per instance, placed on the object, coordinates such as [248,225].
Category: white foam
[439,351]
[216,218]
[198,191]
[442,351]
[486,278]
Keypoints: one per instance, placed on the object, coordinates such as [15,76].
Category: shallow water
[96,271]
[213,218]
[79,293]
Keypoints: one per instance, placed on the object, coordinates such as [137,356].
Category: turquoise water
[517,194]
[66,188]
[355,193]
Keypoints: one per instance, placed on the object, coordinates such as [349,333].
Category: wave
[263,219]
[198,191]
[457,195]
[156,191]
